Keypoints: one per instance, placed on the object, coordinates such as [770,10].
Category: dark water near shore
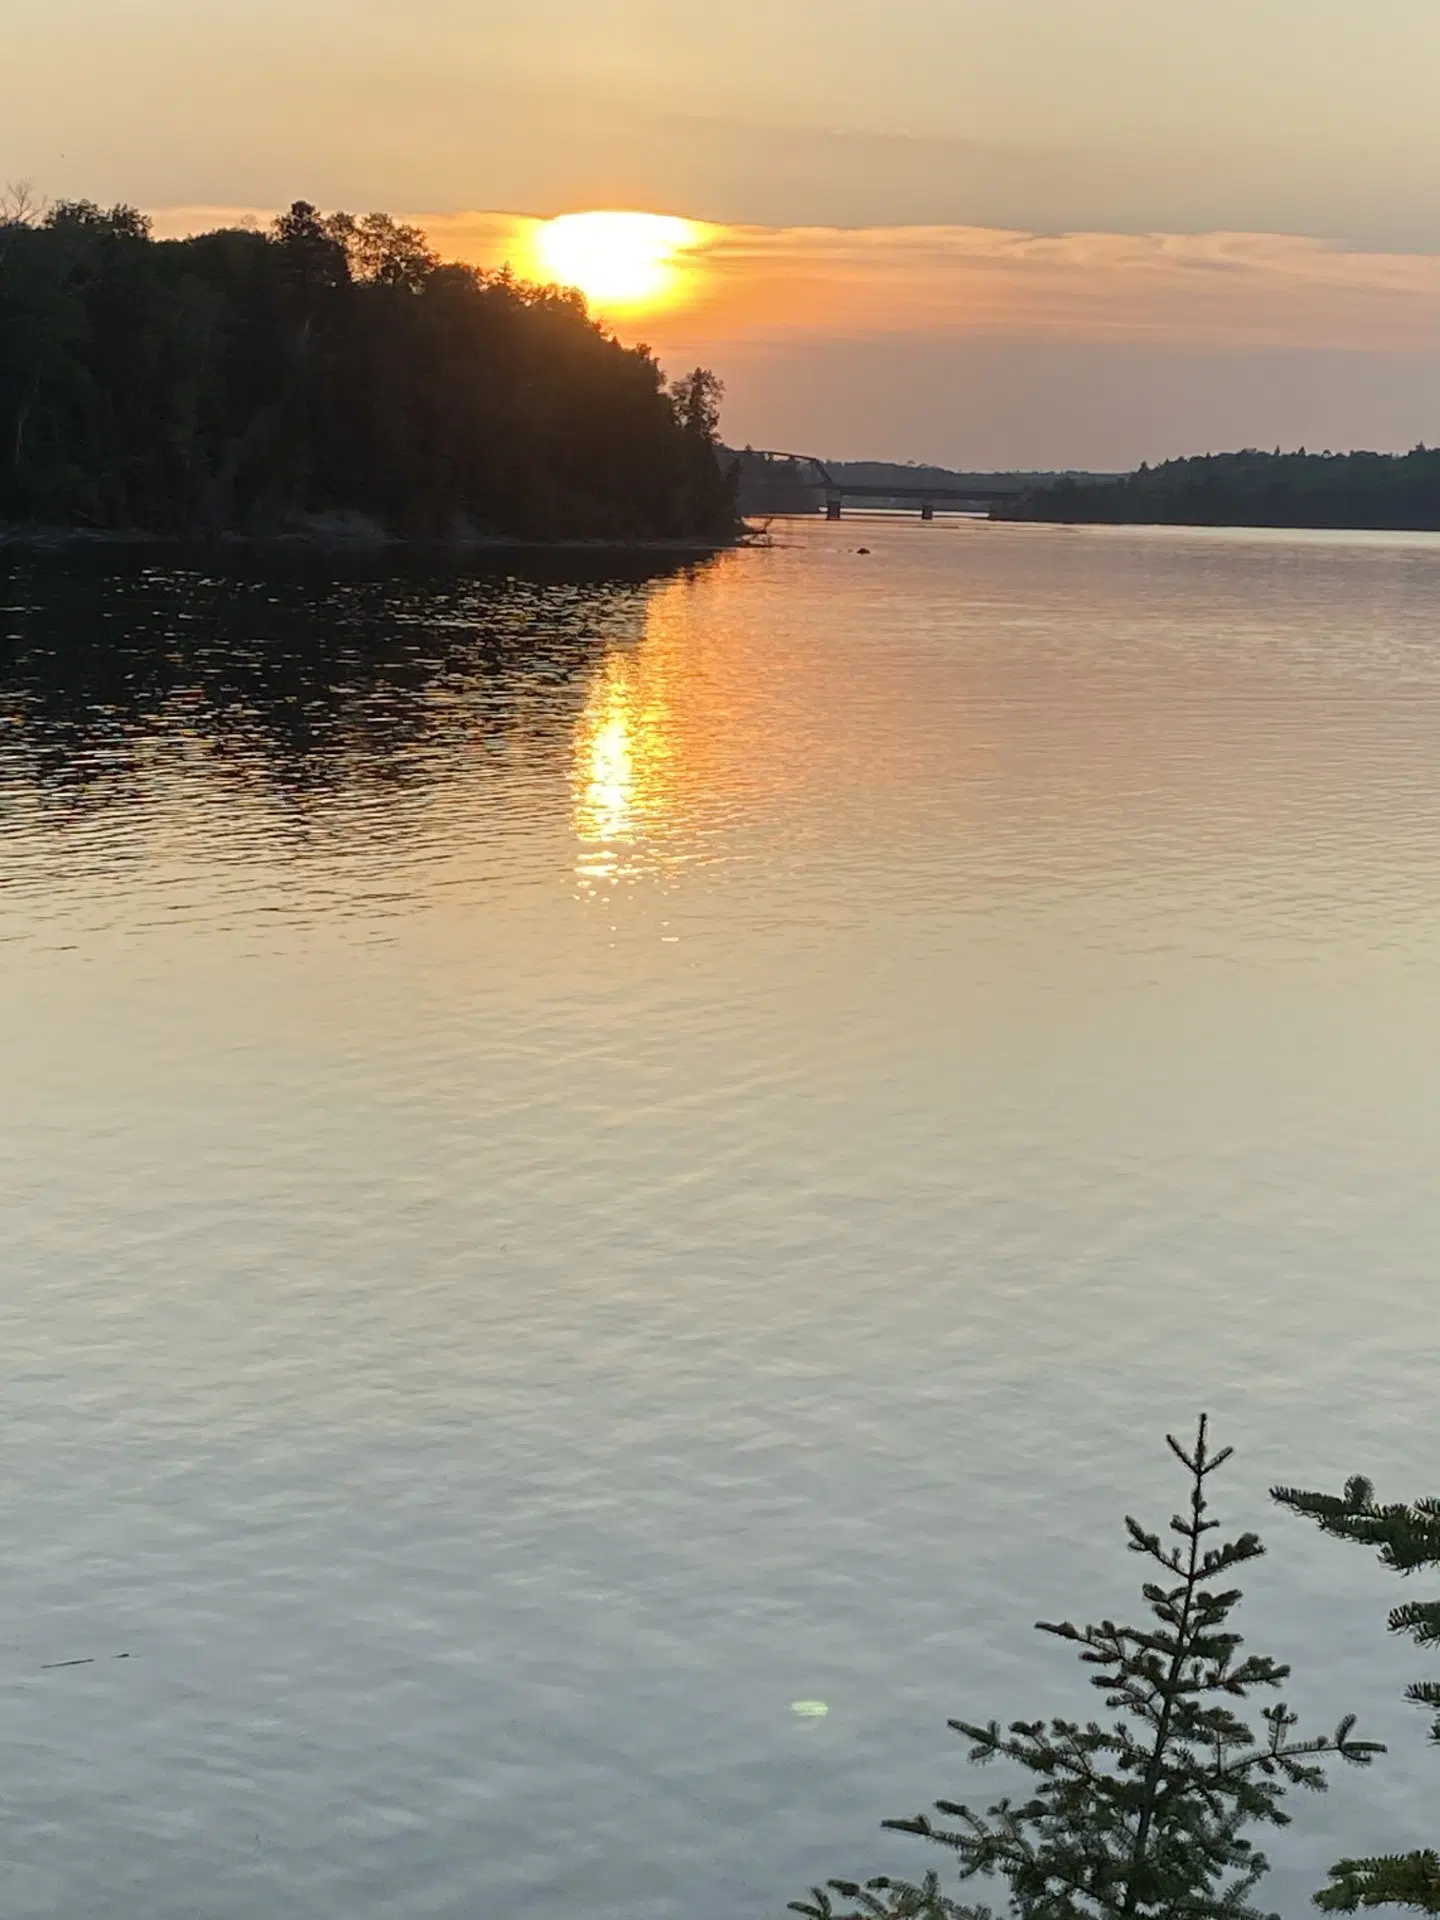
[585,1159]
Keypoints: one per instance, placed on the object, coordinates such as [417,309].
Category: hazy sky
[1036,117]
[1312,116]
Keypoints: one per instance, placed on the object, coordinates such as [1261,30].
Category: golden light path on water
[622,750]
[640,768]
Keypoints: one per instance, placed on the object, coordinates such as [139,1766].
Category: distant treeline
[912,473]
[793,485]
[255,381]
[1252,489]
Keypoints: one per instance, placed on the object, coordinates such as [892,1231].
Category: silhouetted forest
[1251,489]
[247,381]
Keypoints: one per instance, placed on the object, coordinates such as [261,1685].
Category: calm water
[583,1161]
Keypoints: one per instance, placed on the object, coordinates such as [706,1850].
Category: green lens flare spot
[810,1709]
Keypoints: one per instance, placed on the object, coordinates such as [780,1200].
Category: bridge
[837,492]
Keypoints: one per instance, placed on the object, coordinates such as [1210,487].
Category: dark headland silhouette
[331,373]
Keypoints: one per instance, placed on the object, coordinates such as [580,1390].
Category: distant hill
[770,486]
[1251,489]
[910,473]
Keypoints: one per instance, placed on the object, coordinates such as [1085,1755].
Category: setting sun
[617,260]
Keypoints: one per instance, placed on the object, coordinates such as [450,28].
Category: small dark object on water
[50,1666]
[862,549]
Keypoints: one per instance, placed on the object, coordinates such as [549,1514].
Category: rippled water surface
[585,1159]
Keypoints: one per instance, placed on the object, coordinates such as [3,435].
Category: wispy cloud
[1209,289]
[1215,289]
[1195,290]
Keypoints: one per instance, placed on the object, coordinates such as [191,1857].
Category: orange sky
[748,283]
[1045,232]
[1261,338]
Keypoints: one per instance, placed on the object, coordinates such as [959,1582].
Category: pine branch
[1407,1539]
[1426,1693]
[885,1900]
[1395,1880]
[1420,1619]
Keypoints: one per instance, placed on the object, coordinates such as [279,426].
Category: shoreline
[360,542]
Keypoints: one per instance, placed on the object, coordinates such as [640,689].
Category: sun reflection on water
[623,751]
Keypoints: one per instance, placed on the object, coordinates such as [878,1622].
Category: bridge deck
[850,491]
[834,489]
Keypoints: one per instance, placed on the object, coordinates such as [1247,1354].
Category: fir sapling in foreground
[1146,1816]
[1407,1539]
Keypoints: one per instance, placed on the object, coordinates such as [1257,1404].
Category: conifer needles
[1407,1539]
[1146,1816]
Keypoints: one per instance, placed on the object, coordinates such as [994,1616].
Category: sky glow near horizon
[1157,229]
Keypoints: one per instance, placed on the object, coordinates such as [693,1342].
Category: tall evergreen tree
[1407,1539]
[1145,1817]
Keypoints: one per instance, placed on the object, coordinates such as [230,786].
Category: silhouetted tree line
[243,380]
[1252,489]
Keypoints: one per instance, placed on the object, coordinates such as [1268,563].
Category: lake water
[584,1160]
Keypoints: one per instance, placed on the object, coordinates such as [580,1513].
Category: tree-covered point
[248,381]
[1251,489]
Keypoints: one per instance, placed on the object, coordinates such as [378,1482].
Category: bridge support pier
[832,507]
[927,512]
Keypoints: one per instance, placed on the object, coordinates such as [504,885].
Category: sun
[619,261]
